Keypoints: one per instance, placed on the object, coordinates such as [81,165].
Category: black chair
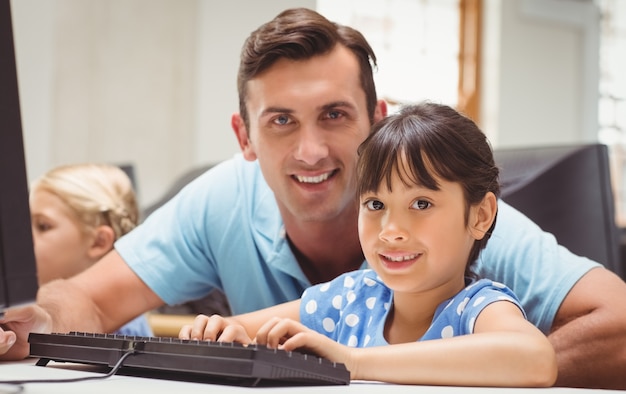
[166,320]
[567,191]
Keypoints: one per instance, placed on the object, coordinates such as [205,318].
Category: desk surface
[125,384]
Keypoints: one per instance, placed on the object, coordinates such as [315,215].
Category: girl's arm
[505,350]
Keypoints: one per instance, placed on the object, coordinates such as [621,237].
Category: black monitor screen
[18,275]
[567,191]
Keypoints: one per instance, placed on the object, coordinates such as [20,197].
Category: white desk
[126,384]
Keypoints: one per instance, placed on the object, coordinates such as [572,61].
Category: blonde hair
[99,194]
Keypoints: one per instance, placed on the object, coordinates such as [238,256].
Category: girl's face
[61,244]
[415,238]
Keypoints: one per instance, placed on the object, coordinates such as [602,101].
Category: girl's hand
[214,328]
[290,335]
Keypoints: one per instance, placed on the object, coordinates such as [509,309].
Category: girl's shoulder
[353,281]
[487,286]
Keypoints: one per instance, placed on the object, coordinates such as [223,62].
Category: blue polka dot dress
[352,308]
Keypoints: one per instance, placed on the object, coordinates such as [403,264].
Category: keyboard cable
[129,352]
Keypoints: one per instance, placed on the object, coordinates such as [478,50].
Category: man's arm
[100,299]
[589,333]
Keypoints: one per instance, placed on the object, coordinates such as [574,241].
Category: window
[416,44]
[612,89]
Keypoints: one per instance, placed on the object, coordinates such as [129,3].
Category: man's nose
[311,146]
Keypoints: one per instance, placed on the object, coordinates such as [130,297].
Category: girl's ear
[483,215]
[102,242]
[241,132]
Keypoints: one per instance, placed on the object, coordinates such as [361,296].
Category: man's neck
[325,250]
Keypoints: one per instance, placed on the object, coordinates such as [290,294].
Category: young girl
[77,213]
[427,186]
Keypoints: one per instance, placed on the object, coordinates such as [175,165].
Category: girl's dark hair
[436,141]
[300,34]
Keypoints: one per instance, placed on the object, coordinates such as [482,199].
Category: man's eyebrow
[325,107]
[337,104]
[274,110]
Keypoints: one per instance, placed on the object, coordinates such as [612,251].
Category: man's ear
[381,111]
[102,242]
[241,132]
[483,215]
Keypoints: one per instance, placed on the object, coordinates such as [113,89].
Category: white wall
[147,82]
[540,72]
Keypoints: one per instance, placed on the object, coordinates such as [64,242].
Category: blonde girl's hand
[16,324]
[214,328]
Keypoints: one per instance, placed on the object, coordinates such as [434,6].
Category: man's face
[307,119]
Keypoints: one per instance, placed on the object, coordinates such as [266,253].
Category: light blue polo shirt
[224,230]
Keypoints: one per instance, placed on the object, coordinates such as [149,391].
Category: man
[268,223]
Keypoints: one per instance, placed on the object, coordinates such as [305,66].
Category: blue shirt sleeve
[532,264]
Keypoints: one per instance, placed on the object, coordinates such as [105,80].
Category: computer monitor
[567,191]
[18,274]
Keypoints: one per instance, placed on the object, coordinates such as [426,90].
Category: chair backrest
[567,191]
[178,184]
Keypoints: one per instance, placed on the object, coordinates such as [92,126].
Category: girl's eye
[421,204]
[42,226]
[374,205]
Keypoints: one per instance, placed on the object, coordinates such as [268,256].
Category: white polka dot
[461,307]
[370,302]
[386,306]
[478,301]
[324,287]
[310,307]
[328,324]
[353,341]
[447,332]
[369,282]
[336,302]
[350,297]
[352,320]
[369,323]
[498,284]
[366,340]
[505,298]
[470,325]
[348,282]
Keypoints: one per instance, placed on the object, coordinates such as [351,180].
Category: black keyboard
[204,361]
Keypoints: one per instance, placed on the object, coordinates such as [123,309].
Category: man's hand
[214,328]
[589,333]
[15,326]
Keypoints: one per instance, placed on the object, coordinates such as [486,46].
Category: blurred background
[152,83]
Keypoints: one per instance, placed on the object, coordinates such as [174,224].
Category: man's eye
[421,204]
[334,114]
[374,205]
[282,120]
